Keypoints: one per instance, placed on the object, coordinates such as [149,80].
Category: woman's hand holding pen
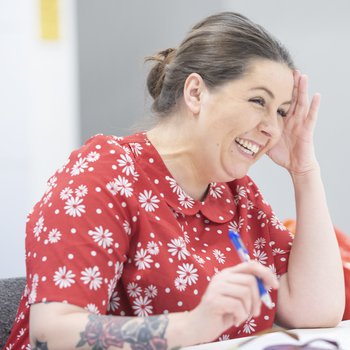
[295,150]
[231,297]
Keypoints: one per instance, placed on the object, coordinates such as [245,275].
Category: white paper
[340,334]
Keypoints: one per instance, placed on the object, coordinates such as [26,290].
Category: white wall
[38,116]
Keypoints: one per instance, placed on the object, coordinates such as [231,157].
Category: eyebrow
[269,92]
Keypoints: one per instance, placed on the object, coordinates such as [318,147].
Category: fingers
[296,76]
[300,106]
[239,315]
[243,288]
[302,103]
[233,293]
[231,311]
[315,104]
[258,270]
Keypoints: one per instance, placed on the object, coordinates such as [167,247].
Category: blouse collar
[218,205]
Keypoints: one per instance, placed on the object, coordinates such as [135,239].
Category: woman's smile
[247,147]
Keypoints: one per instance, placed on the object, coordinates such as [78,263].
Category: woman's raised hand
[295,150]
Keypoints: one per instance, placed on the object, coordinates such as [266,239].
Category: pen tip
[266,299]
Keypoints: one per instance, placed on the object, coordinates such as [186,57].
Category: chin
[230,176]
[238,177]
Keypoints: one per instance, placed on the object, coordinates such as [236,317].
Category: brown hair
[218,48]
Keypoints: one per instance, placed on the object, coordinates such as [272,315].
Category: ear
[193,92]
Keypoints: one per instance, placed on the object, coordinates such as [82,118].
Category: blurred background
[72,68]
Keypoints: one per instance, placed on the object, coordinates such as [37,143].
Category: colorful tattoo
[101,332]
[40,345]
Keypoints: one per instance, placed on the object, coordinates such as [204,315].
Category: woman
[129,245]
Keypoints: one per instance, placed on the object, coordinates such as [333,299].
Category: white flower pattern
[93,156]
[81,191]
[219,256]
[79,167]
[188,273]
[148,201]
[141,306]
[66,193]
[134,290]
[74,207]
[64,278]
[153,248]
[102,236]
[39,226]
[127,164]
[114,302]
[277,223]
[54,236]
[92,308]
[249,326]
[215,191]
[177,247]
[92,277]
[142,259]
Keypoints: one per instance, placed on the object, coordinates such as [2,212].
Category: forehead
[266,68]
[274,76]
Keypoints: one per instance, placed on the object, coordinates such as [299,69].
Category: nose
[265,129]
[269,126]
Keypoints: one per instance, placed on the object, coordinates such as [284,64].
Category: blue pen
[244,256]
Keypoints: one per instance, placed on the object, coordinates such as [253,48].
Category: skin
[204,149]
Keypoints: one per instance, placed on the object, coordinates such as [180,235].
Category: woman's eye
[258,100]
[282,113]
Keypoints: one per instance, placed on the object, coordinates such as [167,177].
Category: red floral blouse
[115,234]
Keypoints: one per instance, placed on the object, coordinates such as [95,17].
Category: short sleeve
[280,239]
[78,234]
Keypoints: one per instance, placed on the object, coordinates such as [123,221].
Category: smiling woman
[246,114]
[129,245]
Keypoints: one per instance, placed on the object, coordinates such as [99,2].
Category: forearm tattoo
[101,332]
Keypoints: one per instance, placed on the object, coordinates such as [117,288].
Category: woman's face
[242,120]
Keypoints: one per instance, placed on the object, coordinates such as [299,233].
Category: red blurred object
[344,246]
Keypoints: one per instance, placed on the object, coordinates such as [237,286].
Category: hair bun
[167,54]
[157,74]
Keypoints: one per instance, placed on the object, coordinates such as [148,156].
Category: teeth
[245,150]
[248,147]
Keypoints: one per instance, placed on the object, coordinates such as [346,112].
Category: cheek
[280,128]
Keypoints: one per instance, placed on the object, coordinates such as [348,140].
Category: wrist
[185,329]
[305,174]
[198,324]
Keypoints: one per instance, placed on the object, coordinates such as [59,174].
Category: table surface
[341,334]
